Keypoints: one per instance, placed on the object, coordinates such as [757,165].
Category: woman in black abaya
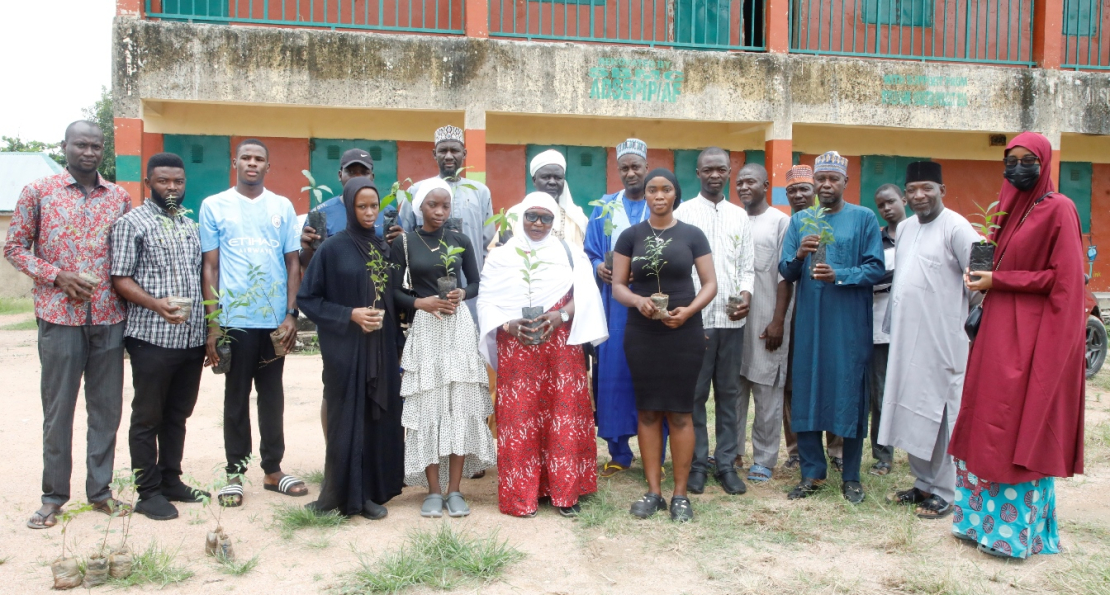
[364,465]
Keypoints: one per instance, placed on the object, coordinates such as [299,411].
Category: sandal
[793,462]
[110,506]
[759,474]
[838,464]
[610,469]
[934,507]
[806,488]
[231,496]
[432,507]
[287,485]
[853,491]
[456,505]
[44,521]
[881,468]
[910,496]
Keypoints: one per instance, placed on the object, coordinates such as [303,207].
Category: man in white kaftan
[928,346]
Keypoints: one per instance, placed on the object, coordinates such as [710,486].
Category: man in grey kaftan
[928,346]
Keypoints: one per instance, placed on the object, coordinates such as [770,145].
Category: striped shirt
[162,255]
[730,237]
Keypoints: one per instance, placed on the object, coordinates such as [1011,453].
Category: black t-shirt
[688,243]
[426,266]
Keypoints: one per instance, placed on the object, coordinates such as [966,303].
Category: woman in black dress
[363,467]
[664,356]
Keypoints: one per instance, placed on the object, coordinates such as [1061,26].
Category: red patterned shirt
[57,227]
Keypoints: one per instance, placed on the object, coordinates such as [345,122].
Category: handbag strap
[406,282]
[569,256]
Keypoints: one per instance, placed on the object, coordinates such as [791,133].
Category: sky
[56,55]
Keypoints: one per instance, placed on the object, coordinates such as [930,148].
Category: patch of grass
[4,560]
[1097,441]
[935,582]
[236,567]
[315,476]
[26,325]
[16,306]
[156,565]
[322,542]
[440,559]
[291,517]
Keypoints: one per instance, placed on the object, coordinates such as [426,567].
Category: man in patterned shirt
[59,237]
[156,268]
[729,232]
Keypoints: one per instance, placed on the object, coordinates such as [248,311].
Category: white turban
[573,211]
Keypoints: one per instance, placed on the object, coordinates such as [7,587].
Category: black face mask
[1023,177]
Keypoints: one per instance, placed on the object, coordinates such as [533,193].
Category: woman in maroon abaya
[1021,418]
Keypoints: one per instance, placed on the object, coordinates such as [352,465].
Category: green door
[686,170]
[207,165]
[586,171]
[1075,183]
[876,170]
[702,22]
[324,162]
[195,8]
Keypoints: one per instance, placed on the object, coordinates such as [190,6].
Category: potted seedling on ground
[982,252]
[97,565]
[608,211]
[379,278]
[504,224]
[815,223]
[216,542]
[450,255]
[120,560]
[178,227]
[531,266]
[654,263]
[67,573]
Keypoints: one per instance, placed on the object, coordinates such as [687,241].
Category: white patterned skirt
[446,393]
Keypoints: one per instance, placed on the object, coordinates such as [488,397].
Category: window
[911,13]
[1077,18]
[195,8]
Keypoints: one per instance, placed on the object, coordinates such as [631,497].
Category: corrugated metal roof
[19,169]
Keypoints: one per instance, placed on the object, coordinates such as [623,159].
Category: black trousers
[253,364]
[166,385]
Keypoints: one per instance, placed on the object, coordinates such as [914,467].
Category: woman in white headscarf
[445,386]
[549,171]
[546,444]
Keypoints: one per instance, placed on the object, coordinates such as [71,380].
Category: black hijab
[363,238]
[662,172]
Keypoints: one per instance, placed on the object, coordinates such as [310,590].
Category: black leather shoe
[373,511]
[648,505]
[731,482]
[695,483]
[805,488]
[180,492]
[156,508]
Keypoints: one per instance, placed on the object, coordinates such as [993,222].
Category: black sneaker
[156,508]
[731,482]
[570,511]
[853,491]
[695,483]
[681,511]
[648,505]
[180,492]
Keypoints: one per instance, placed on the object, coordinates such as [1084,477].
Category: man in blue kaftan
[833,328]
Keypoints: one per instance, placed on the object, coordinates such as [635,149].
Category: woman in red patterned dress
[546,445]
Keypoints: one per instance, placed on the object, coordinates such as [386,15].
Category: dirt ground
[755,543]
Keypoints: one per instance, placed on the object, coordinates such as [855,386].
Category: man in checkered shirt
[156,268]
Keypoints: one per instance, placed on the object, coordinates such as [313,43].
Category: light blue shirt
[253,237]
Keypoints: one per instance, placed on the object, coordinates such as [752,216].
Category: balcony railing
[425,16]
[981,31]
[1086,27]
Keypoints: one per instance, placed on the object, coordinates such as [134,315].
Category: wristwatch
[293,312]
[563,314]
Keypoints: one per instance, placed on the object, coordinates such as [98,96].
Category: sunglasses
[1028,160]
[531,217]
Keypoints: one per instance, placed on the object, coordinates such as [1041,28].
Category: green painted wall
[876,170]
[1075,183]
[207,165]
[324,154]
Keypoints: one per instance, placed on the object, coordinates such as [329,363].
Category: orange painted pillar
[476,154]
[777,18]
[778,159]
[1048,33]
[129,157]
[477,19]
[129,8]
[1056,167]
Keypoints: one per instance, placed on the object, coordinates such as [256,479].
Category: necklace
[659,236]
[430,249]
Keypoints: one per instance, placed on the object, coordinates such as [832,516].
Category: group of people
[561,327]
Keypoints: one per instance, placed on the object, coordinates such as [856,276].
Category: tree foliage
[102,115]
[9,144]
